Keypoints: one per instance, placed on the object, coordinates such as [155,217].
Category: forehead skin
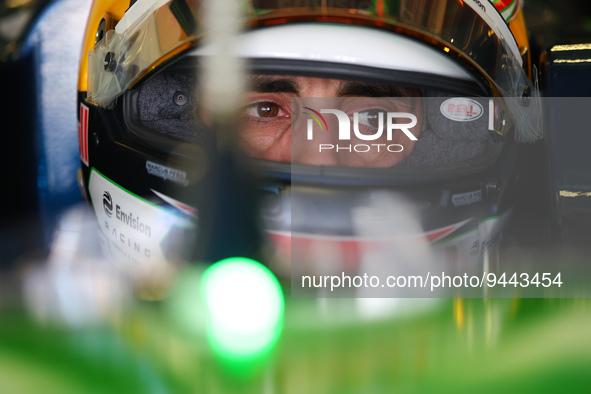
[324,87]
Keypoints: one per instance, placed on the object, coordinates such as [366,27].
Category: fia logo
[108,204]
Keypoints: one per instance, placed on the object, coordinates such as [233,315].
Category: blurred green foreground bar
[326,346]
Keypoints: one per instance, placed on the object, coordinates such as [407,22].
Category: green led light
[245,305]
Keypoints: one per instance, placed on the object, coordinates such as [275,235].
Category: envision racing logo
[395,121]
[125,217]
[108,204]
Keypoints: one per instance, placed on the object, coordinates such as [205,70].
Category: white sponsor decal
[167,173]
[133,227]
[466,198]
[461,109]
[177,204]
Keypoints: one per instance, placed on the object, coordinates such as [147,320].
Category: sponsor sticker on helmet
[466,198]
[134,228]
[461,109]
[507,8]
[167,173]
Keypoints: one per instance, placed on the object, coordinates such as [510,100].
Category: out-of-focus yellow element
[571,47]
[519,30]
[116,9]
[572,61]
[459,316]
[18,3]
[567,193]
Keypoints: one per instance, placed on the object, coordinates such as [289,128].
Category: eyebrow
[273,84]
[269,84]
[365,89]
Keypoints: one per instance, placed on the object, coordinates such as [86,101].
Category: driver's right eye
[263,109]
[371,117]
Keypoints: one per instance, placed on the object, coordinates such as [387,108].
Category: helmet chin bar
[331,229]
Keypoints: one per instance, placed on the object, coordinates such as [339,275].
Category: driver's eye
[267,110]
[370,118]
[373,118]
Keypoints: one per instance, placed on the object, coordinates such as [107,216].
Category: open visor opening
[363,131]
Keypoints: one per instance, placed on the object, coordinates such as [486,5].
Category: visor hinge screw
[110,62]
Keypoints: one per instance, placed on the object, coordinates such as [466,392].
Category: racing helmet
[451,79]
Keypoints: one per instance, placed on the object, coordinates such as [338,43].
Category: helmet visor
[473,33]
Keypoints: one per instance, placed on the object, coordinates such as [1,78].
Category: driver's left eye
[267,110]
[370,118]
